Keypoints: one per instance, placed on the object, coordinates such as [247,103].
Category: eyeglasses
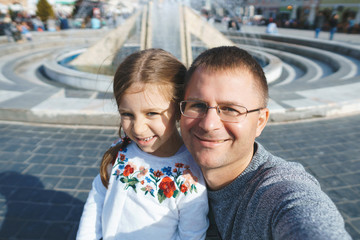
[227,112]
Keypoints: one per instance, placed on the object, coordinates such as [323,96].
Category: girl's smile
[148,117]
[145,141]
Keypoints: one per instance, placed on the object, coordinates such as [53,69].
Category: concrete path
[302,33]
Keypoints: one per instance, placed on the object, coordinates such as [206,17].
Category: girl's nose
[139,126]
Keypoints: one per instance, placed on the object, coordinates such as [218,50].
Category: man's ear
[263,118]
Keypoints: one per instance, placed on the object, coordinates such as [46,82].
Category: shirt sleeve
[90,222]
[193,214]
[307,213]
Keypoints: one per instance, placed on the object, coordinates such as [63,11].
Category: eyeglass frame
[218,111]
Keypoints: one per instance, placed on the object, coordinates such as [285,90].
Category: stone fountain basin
[56,70]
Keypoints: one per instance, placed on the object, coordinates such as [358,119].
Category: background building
[286,13]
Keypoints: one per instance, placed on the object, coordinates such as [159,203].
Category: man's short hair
[231,58]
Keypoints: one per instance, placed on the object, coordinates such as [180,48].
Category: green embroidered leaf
[176,192]
[152,176]
[161,196]
[143,188]
[179,183]
[193,188]
[124,180]
[133,187]
[133,181]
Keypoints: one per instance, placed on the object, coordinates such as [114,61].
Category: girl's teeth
[147,139]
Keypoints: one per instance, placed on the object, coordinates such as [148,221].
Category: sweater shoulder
[275,169]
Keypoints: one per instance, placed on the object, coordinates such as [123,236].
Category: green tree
[44,10]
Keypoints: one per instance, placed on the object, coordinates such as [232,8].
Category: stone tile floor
[46,170]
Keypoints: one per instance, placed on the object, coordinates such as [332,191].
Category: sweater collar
[241,181]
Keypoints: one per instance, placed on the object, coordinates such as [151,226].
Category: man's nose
[211,119]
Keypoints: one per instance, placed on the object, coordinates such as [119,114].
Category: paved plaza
[47,170]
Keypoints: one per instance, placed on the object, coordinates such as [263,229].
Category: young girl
[149,187]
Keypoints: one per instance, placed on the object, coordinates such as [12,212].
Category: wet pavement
[47,170]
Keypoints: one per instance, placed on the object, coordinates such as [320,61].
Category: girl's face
[149,119]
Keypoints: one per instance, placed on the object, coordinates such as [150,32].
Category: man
[319,22]
[253,194]
[334,20]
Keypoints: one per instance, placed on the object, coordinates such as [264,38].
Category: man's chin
[207,160]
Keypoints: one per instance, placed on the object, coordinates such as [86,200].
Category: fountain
[92,68]
[46,81]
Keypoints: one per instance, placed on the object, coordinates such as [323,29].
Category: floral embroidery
[165,183]
[148,189]
[143,172]
[126,171]
[167,187]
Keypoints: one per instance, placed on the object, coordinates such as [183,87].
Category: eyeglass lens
[227,112]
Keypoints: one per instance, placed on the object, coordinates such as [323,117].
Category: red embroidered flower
[179,165]
[183,188]
[168,186]
[175,170]
[122,157]
[158,173]
[128,170]
[142,182]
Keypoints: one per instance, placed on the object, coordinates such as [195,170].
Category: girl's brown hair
[151,66]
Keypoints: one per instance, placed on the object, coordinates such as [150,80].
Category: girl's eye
[126,115]
[152,114]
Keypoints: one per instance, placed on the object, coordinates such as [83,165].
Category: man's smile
[210,140]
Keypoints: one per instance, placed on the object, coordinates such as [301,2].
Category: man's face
[216,144]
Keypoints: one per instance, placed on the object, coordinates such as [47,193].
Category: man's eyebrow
[194,99]
[231,103]
[224,102]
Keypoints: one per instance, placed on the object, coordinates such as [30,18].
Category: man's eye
[199,106]
[229,110]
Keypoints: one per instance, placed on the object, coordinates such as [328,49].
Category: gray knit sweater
[275,199]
